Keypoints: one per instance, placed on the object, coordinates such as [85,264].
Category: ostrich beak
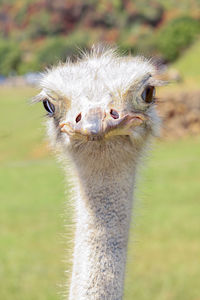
[97,124]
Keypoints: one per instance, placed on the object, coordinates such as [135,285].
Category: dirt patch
[180,113]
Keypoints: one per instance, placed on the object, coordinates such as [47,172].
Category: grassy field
[164,248]
[188,64]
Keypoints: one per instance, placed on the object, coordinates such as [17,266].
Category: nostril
[78,118]
[114,114]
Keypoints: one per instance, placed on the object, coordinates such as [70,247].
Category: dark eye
[149,94]
[50,108]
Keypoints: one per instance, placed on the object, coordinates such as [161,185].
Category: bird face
[100,123]
[100,97]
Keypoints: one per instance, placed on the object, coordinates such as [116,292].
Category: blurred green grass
[188,64]
[163,256]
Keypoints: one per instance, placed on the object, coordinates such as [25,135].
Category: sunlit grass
[163,257]
[164,264]
[188,64]
[21,132]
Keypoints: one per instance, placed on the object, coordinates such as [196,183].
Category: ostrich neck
[103,201]
[103,210]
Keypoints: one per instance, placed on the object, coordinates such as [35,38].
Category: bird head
[99,98]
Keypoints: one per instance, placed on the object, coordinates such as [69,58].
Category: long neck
[103,210]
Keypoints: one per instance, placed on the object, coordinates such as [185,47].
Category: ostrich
[101,118]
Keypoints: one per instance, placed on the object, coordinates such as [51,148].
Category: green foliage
[40,24]
[53,50]
[10,57]
[31,66]
[149,13]
[59,48]
[49,31]
[176,36]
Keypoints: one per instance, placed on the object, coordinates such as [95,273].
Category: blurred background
[35,246]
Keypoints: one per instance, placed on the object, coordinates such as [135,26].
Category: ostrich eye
[50,108]
[149,94]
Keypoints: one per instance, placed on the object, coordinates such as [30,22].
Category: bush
[10,57]
[40,25]
[30,66]
[59,48]
[177,36]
